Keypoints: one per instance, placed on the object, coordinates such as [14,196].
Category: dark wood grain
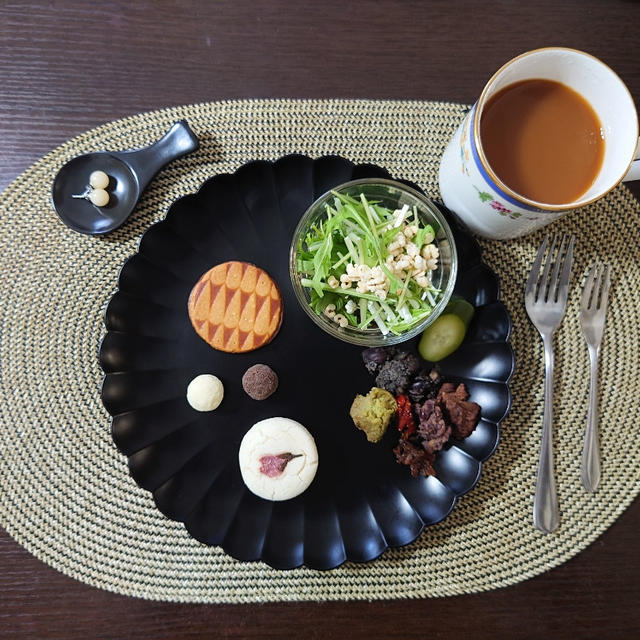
[69,66]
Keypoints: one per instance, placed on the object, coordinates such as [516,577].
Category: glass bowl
[392,195]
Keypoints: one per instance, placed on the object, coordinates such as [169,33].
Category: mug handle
[634,169]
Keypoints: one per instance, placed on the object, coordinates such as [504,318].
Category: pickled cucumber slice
[463,309]
[442,338]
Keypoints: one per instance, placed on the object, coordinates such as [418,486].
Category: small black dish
[129,173]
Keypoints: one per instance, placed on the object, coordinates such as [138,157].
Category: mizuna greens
[366,266]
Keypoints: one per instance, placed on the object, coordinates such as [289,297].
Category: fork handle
[546,516]
[590,471]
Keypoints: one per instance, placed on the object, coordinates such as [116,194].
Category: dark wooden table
[69,66]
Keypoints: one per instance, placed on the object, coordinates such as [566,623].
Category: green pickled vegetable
[442,338]
[463,309]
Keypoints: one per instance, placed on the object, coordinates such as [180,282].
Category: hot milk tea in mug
[543,140]
[554,129]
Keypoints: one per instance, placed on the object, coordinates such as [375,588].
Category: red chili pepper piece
[406,423]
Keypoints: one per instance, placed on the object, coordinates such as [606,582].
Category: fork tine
[605,289]
[588,287]
[534,274]
[594,303]
[544,280]
[553,282]
[565,276]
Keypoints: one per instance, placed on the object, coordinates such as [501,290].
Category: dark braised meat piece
[375,357]
[462,415]
[433,429]
[425,385]
[447,387]
[419,461]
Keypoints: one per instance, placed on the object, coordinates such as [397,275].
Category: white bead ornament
[99,197]
[96,192]
[99,180]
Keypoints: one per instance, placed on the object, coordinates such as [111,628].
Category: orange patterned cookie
[235,307]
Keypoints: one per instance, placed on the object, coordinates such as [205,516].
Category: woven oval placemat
[65,492]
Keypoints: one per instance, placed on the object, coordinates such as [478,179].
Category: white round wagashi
[278,459]
[205,392]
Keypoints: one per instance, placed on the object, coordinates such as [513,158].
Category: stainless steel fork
[593,311]
[546,300]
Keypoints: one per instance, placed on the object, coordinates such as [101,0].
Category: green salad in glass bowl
[373,262]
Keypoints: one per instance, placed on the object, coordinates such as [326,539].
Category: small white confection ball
[99,197]
[99,180]
[205,392]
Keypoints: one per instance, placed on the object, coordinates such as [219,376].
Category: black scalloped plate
[361,502]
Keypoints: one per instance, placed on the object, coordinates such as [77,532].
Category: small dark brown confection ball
[259,381]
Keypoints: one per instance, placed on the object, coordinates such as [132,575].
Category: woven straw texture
[66,494]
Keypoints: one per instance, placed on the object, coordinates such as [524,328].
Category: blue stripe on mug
[487,177]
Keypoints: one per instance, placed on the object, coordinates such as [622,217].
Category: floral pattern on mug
[465,155]
[497,205]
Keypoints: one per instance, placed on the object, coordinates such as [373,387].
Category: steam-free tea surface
[543,140]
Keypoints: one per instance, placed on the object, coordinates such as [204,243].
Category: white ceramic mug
[487,206]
